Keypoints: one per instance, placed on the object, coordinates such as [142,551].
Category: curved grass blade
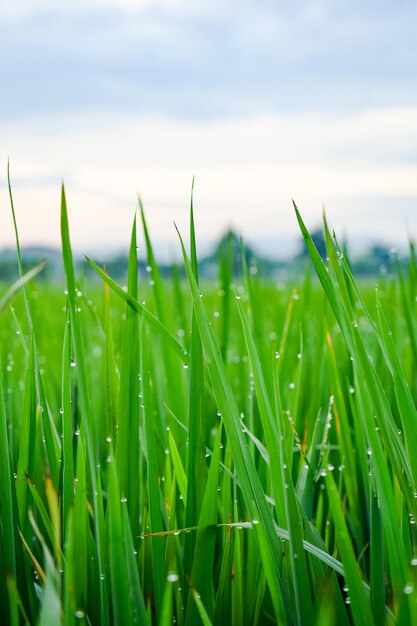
[19,256]
[21,282]
[143,311]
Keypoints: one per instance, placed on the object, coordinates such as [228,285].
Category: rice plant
[191,452]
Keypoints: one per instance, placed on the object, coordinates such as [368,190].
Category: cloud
[206,59]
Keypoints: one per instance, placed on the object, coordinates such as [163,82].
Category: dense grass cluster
[236,453]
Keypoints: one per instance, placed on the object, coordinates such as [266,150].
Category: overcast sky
[261,101]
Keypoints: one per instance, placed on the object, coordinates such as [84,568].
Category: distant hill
[225,256]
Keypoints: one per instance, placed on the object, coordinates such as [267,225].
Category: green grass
[234,452]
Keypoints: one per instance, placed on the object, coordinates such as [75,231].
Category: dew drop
[172,577]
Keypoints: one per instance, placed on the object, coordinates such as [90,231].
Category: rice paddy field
[233,453]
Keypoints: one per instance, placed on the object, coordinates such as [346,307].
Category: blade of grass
[67,431]
[127,449]
[360,604]
[21,282]
[119,580]
[7,493]
[155,516]
[205,540]
[83,397]
[25,464]
[197,421]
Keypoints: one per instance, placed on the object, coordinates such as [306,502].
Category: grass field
[235,453]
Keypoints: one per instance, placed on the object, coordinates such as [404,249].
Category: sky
[261,101]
